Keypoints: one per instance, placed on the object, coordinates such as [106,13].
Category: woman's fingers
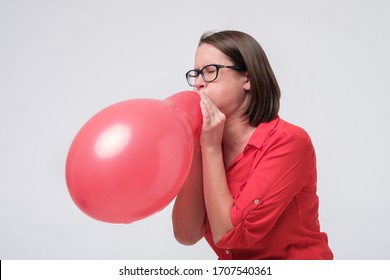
[205,113]
[210,110]
[213,123]
[207,106]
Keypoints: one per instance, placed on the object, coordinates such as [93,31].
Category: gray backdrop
[63,61]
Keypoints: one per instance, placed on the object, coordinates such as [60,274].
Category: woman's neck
[236,135]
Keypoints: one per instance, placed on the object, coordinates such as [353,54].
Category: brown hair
[245,51]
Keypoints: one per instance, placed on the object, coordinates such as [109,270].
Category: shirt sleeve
[286,163]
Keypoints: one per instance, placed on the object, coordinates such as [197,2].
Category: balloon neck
[187,103]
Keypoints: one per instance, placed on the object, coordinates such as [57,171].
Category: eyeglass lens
[209,73]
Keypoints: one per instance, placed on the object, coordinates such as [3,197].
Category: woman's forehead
[208,54]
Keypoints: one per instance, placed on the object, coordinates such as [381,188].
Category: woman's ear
[247,84]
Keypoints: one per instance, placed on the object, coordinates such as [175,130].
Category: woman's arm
[218,199]
[188,215]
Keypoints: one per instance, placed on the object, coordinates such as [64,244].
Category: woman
[251,191]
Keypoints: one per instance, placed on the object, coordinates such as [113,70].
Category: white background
[63,61]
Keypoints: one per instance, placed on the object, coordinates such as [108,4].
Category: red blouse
[275,211]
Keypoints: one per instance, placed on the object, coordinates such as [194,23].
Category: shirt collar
[261,133]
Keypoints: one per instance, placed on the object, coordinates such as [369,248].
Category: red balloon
[130,160]
[188,103]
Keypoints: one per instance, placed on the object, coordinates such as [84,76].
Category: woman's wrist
[211,150]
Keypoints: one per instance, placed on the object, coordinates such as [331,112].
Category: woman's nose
[199,83]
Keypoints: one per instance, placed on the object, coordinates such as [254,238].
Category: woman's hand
[213,124]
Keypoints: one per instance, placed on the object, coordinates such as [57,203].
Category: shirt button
[256,201]
[227,252]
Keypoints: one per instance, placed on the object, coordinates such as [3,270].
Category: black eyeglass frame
[200,72]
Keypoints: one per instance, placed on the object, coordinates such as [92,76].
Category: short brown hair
[245,51]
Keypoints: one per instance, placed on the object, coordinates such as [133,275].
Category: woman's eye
[209,70]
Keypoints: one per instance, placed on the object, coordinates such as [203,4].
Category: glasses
[209,73]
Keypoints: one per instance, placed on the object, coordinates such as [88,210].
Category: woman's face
[229,90]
